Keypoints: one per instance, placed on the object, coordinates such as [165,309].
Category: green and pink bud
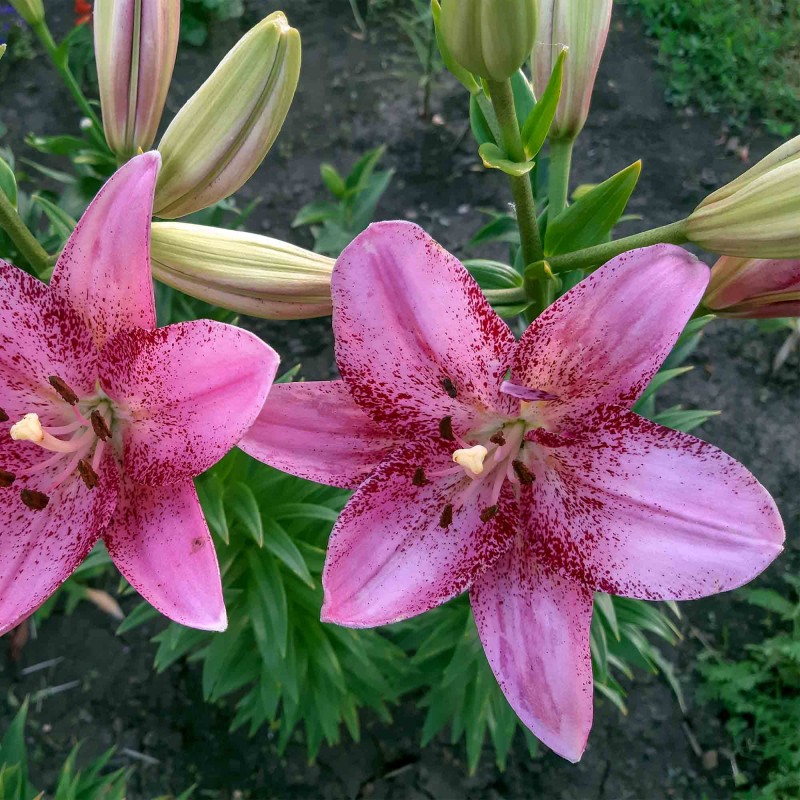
[489,38]
[135,46]
[755,288]
[222,134]
[582,27]
[758,214]
[243,272]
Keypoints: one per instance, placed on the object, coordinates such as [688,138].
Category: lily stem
[531,242]
[60,62]
[674,233]
[558,176]
[12,224]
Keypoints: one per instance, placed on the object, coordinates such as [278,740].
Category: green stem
[12,224]
[558,176]
[521,190]
[503,102]
[674,233]
[59,61]
[506,297]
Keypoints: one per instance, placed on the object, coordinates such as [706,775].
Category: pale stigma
[28,429]
[471,458]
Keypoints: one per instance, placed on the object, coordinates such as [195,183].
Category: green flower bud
[222,134]
[32,11]
[758,214]
[243,272]
[490,38]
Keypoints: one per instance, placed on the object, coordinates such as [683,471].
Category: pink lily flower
[530,492]
[106,419]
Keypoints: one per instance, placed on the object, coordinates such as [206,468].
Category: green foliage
[199,16]
[759,690]
[94,782]
[335,224]
[737,57]
[277,662]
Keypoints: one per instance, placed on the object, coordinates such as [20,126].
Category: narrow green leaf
[280,544]
[363,168]
[245,507]
[494,158]
[537,125]
[524,100]
[314,213]
[481,129]
[12,745]
[63,223]
[493,274]
[605,605]
[590,220]
[8,182]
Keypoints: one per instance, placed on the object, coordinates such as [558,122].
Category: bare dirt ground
[355,95]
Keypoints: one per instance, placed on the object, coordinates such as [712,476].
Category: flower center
[74,447]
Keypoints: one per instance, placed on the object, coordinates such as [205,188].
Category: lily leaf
[591,219]
[494,158]
[8,183]
[537,125]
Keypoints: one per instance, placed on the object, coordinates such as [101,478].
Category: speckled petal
[416,339]
[603,341]
[40,337]
[390,557]
[534,626]
[316,431]
[160,542]
[635,509]
[191,390]
[104,270]
[40,549]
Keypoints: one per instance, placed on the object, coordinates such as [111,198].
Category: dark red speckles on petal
[400,549]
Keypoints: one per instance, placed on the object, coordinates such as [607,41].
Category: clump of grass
[738,58]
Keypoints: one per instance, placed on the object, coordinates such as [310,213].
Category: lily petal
[416,340]
[40,549]
[160,542]
[104,270]
[534,626]
[636,509]
[605,339]
[39,337]
[191,391]
[396,551]
[316,431]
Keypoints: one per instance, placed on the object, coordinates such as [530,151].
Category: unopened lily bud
[754,288]
[490,38]
[582,27]
[135,43]
[32,11]
[758,214]
[222,134]
[243,272]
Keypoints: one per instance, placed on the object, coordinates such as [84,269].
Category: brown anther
[100,426]
[488,513]
[88,475]
[498,438]
[446,429]
[419,478]
[524,475]
[6,479]
[450,387]
[34,500]
[447,516]
[67,395]
[3,416]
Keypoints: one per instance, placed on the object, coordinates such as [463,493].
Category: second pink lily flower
[531,492]
[105,419]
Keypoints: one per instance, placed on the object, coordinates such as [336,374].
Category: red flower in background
[83,12]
